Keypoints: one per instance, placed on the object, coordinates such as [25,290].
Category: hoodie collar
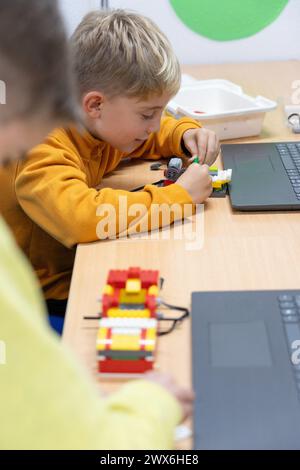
[86,143]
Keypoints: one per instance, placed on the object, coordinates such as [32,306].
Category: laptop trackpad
[259,164]
[239,344]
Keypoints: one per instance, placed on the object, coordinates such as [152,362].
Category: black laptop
[246,369]
[265,176]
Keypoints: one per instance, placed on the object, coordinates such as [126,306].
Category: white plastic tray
[221,106]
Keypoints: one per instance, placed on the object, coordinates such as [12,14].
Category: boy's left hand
[202,143]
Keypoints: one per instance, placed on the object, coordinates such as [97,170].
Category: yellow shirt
[51,200]
[47,400]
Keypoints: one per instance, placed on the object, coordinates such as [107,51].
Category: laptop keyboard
[289,306]
[290,156]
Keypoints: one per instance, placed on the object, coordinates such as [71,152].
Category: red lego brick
[106,301]
[168,182]
[117,278]
[111,366]
[115,298]
[108,336]
[143,337]
[150,303]
[134,273]
[148,278]
[109,301]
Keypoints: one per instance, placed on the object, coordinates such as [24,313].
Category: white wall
[74,10]
[278,41]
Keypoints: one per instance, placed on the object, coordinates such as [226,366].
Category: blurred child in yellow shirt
[47,400]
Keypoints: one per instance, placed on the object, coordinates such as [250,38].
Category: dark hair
[35,69]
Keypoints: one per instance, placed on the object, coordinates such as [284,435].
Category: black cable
[92,318]
[175,321]
[175,307]
[172,327]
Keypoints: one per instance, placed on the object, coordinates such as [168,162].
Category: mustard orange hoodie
[51,202]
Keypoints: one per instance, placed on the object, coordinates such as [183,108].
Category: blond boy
[126,72]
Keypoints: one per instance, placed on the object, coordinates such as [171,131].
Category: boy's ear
[92,104]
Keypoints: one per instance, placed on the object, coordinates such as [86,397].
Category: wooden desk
[241,250]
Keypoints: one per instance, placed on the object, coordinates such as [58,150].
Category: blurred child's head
[126,72]
[35,78]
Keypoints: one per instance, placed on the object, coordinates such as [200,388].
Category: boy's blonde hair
[124,53]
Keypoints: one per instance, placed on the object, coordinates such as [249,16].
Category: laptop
[246,376]
[265,176]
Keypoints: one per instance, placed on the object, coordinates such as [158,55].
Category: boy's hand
[183,395]
[202,143]
[197,182]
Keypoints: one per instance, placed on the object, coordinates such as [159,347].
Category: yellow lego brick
[153,290]
[101,336]
[151,339]
[133,286]
[107,289]
[213,168]
[124,313]
[132,298]
[217,184]
[125,342]
[150,347]
[118,341]
[151,333]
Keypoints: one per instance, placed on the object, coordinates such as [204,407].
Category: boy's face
[125,123]
[19,136]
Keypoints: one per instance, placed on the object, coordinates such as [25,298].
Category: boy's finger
[187,410]
[187,396]
[202,145]
[212,147]
[191,145]
[205,168]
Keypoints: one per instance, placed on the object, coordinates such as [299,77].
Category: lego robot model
[175,170]
[127,333]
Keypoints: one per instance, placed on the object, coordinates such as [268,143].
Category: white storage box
[221,106]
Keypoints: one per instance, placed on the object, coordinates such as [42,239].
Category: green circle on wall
[224,20]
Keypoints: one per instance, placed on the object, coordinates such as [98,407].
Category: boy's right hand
[197,182]
[184,396]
